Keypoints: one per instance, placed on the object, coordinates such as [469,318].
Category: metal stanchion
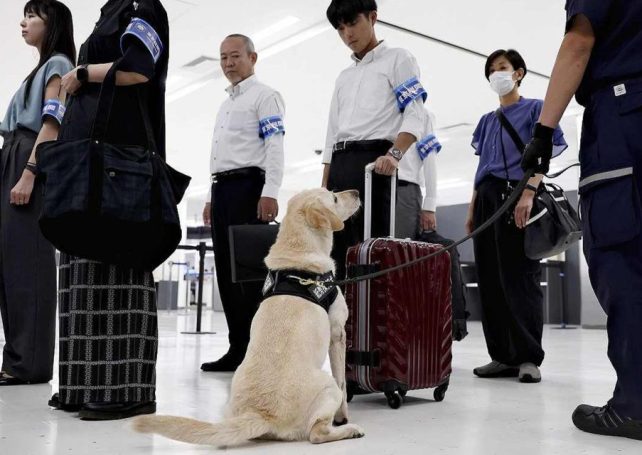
[202,248]
[561,266]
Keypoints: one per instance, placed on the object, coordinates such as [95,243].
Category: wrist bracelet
[531,187]
[32,167]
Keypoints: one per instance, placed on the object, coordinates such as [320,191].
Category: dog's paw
[356,431]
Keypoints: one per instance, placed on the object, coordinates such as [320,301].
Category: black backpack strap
[511,130]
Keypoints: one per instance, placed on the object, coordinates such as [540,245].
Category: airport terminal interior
[300,55]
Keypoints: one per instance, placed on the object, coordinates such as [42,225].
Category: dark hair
[346,11]
[512,56]
[59,36]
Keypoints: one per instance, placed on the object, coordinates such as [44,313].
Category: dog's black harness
[302,284]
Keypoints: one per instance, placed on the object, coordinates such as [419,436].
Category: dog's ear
[318,216]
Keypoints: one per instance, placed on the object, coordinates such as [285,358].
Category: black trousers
[27,272]
[234,201]
[347,172]
[509,284]
[612,228]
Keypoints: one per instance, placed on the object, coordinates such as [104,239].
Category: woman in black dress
[108,319]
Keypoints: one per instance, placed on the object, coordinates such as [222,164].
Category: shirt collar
[241,87]
[514,105]
[370,56]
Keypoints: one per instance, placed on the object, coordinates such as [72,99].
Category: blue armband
[146,34]
[428,145]
[270,126]
[54,108]
[409,91]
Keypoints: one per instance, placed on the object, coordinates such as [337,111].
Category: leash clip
[306,281]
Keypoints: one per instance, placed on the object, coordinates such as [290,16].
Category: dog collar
[300,283]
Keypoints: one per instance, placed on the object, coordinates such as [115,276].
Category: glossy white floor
[477,417]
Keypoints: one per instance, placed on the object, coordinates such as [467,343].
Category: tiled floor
[477,417]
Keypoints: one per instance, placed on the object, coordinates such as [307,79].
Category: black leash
[515,195]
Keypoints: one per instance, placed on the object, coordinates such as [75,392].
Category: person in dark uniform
[509,282]
[108,318]
[600,62]
[27,259]
[376,114]
[246,166]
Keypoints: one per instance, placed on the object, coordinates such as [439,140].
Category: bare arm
[98,72]
[21,192]
[571,63]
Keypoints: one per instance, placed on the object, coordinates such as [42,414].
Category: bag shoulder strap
[511,130]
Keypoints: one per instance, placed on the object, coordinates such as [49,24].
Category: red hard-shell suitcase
[399,332]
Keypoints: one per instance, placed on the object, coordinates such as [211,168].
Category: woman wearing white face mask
[511,297]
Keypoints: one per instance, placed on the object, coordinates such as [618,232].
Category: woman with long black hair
[27,261]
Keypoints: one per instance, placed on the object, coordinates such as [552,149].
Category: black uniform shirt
[110,41]
[617,54]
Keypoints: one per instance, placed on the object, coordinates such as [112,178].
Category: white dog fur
[280,391]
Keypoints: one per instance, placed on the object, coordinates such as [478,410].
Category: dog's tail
[230,432]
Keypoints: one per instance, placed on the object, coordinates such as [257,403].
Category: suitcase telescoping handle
[367,225]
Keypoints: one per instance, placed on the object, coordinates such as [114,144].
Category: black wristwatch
[533,188]
[82,74]
[396,153]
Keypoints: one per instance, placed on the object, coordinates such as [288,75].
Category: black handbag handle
[103,109]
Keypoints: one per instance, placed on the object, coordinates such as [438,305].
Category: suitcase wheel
[394,400]
[440,392]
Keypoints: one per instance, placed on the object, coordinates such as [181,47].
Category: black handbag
[110,203]
[249,245]
[554,225]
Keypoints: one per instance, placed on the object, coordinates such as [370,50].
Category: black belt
[374,145]
[405,183]
[238,173]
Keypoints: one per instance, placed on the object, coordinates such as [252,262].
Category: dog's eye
[335,199]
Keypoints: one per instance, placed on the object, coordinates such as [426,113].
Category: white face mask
[502,82]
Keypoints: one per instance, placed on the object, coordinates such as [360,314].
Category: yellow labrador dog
[280,391]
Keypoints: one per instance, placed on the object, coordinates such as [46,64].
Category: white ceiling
[303,58]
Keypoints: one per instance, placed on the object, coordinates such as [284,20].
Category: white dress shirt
[249,133]
[367,98]
[423,172]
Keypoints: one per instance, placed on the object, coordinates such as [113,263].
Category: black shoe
[606,421]
[228,363]
[55,403]
[496,369]
[116,411]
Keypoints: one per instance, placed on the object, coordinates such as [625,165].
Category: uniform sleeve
[144,40]
[410,95]
[428,149]
[430,175]
[271,113]
[333,122]
[595,10]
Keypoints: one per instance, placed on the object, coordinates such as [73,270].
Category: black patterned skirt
[108,333]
